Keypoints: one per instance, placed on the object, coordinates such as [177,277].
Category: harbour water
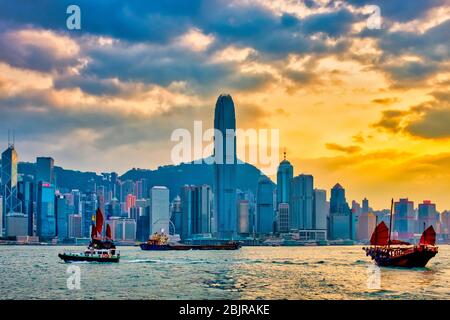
[331,272]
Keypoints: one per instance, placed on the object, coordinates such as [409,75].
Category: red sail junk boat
[396,253]
[100,249]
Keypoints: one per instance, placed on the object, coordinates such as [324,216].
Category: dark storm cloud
[159,65]
[156,21]
[432,47]
[146,31]
[90,85]
[432,44]
[411,71]
[32,55]
[433,124]
[334,24]
[429,120]
[35,119]
[391,120]
[301,77]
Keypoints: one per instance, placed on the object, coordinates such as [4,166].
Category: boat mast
[390,221]
[376,230]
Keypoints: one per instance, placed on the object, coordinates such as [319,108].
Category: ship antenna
[390,221]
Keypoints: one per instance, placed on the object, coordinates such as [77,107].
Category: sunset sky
[368,108]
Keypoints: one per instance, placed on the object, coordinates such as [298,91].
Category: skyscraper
[365,206]
[301,203]
[159,209]
[428,216]
[75,226]
[17,225]
[285,173]
[187,208]
[127,187]
[176,214]
[225,167]
[62,217]
[203,217]
[9,182]
[45,213]
[283,217]
[25,194]
[44,170]
[264,206]
[122,229]
[244,216]
[404,218]
[196,207]
[76,198]
[320,210]
[342,222]
[366,226]
[130,202]
[143,225]
[89,206]
[1,214]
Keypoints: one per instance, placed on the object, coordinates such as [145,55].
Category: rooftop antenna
[11,138]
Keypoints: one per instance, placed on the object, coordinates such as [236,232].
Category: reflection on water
[28,272]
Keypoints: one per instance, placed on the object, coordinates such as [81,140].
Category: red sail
[108,231]
[380,236]
[99,221]
[428,236]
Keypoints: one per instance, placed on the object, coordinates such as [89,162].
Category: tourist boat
[99,249]
[395,253]
[160,241]
[92,255]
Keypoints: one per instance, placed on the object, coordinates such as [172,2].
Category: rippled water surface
[35,272]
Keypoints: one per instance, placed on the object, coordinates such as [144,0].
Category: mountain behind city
[171,176]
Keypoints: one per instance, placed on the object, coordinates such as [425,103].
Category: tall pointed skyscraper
[225,168]
[11,203]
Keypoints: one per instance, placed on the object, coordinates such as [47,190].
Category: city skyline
[136,208]
[282,164]
[364,107]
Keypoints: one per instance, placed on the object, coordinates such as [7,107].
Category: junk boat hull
[389,252]
[99,249]
[416,257]
[80,257]
[162,247]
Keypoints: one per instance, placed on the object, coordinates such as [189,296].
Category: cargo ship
[160,241]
